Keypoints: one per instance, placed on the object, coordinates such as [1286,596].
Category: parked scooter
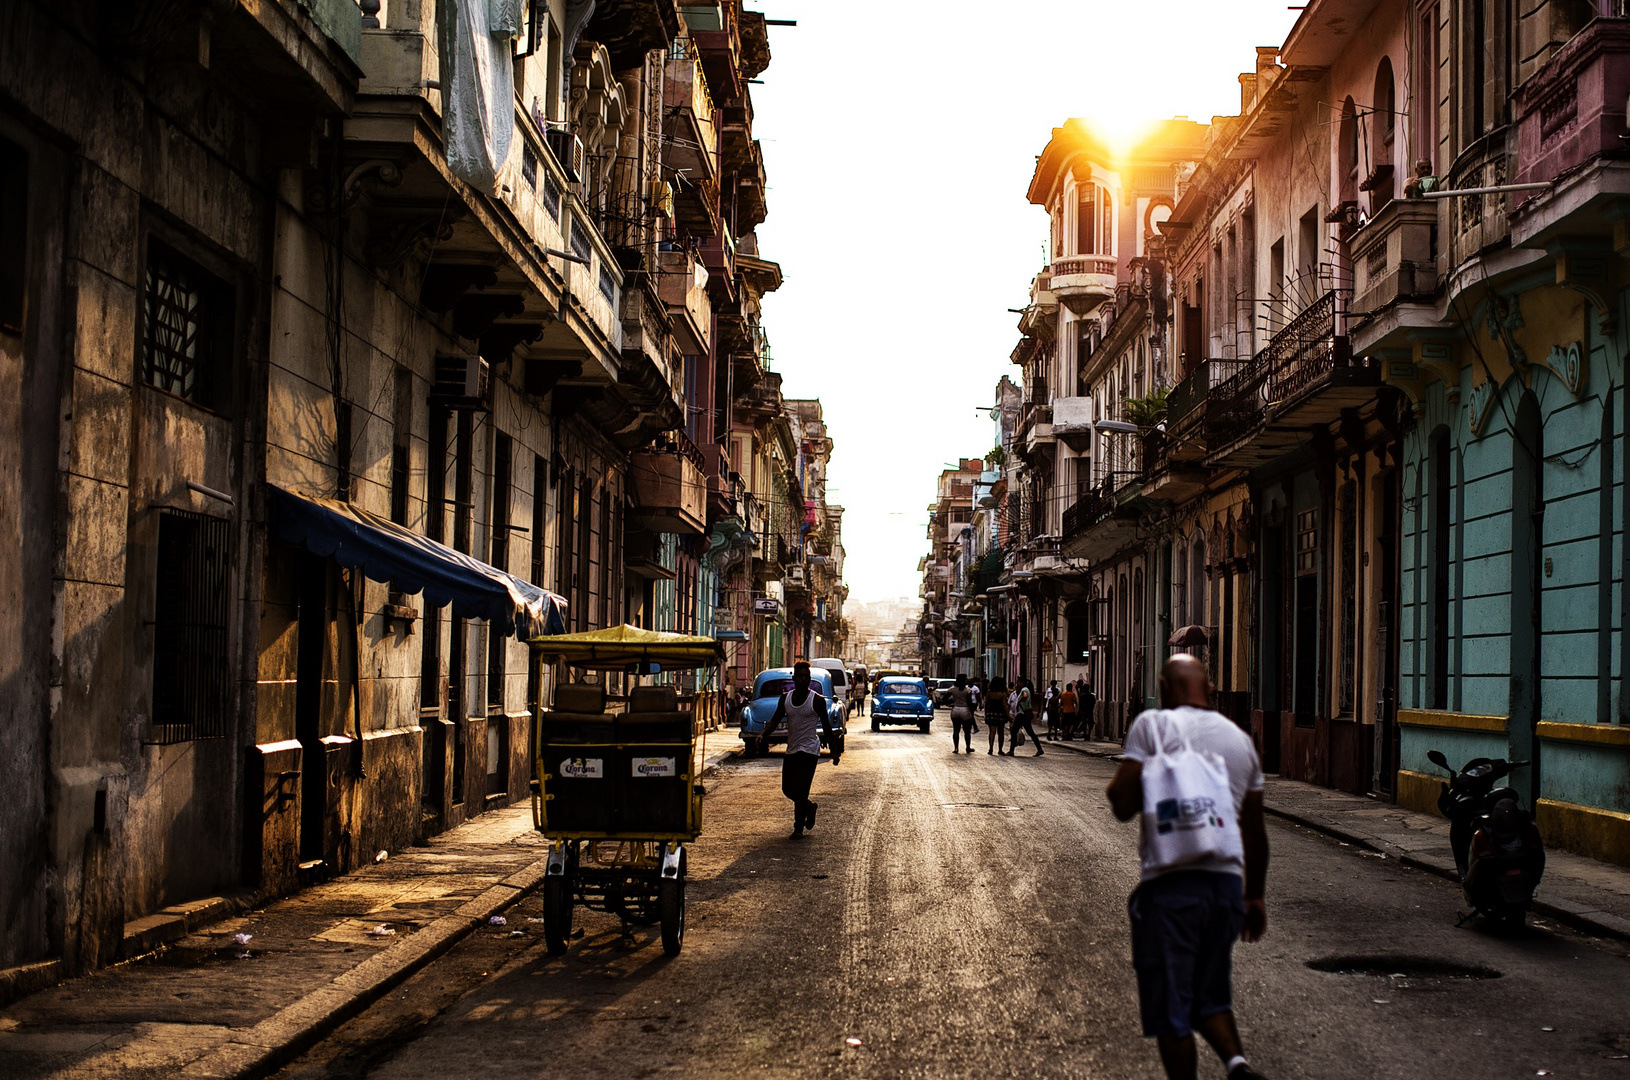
[1497,849]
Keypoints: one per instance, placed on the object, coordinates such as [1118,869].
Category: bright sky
[899,138]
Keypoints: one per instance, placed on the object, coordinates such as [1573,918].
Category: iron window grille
[191,660]
[182,306]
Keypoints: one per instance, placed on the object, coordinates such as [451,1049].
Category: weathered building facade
[312,321]
[1378,489]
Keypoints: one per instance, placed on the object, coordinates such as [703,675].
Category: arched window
[1347,152]
[1094,220]
[1383,127]
[1086,219]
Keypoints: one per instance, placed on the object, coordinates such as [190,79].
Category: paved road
[965,917]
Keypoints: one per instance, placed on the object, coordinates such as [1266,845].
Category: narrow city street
[965,916]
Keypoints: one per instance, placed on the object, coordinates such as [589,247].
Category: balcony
[1310,369]
[1046,555]
[648,397]
[1234,412]
[1573,109]
[1167,476]
[690,124]
[1186,405]
[682,285]
[719,256]
[1038,429]
[1304,378]
[1395,257]
[1072,422]
[752,206]
[1039,318]
[670,493]
[1103,520]
[1476,222]
[1082,282]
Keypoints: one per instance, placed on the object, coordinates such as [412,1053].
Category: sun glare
[1120,133]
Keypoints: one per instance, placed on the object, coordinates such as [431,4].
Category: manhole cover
[1402,971]
[978,806]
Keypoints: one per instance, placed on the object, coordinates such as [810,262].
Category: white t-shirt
[1209,733]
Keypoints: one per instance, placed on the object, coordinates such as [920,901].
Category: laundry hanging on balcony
[410,563]
[477,86]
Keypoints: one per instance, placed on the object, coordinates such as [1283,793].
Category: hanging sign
[766,606]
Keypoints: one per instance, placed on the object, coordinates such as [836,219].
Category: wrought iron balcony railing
[1185,404]
[1234,406]
[1307,350]
[1094,507]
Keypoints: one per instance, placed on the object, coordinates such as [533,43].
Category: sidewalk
[1583,893]
[315,959]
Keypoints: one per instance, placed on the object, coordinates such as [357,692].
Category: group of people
[1009,714]
[1067,708]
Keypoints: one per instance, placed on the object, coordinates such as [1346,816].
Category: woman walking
[996,713]
[1023,717]
[962,699]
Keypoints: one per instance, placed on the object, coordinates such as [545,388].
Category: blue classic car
[900,700]
[767,691]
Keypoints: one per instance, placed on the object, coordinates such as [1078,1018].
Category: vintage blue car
[900,700]
[767,691]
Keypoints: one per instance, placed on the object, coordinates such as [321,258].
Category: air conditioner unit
[795,574]
[462,381]
[568,151]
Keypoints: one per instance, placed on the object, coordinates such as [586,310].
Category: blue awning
[410,563]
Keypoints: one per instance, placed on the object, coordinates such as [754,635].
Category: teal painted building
[1512,560]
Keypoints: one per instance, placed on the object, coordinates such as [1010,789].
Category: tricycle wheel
[671,904]
[557,913]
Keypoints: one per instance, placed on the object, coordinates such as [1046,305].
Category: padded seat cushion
[580,698]
[555,716]
[653,699]
[656,717]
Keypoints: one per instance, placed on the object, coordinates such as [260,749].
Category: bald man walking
[1185,918]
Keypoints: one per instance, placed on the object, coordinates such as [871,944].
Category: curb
[1598,923]
[280,1038]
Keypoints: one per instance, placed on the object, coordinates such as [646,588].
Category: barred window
[551,195]
[608,284]
[529,166]
[191,662]
[580,242]
[182,328]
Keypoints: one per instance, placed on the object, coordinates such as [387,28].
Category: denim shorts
[1184,925]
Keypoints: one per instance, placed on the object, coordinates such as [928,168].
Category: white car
[840,679]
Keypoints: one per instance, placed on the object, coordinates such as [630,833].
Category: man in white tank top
[804,709]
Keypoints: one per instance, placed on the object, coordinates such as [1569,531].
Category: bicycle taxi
[619,794]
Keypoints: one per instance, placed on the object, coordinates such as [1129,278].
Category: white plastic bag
[1188,807]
